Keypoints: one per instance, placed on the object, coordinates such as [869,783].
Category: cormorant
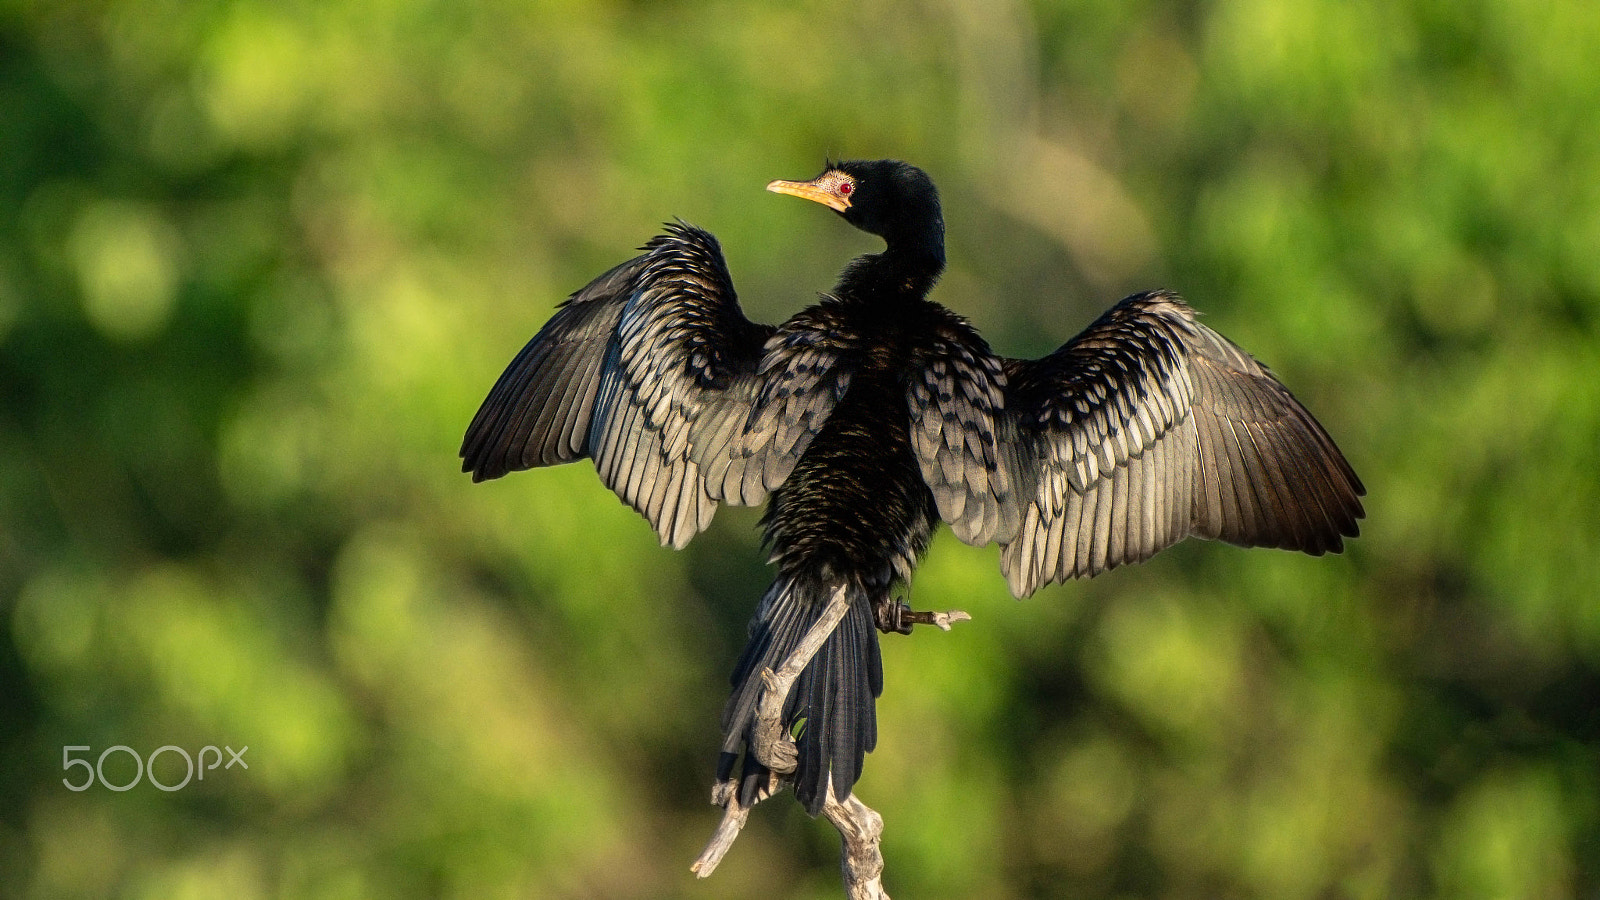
[869,417]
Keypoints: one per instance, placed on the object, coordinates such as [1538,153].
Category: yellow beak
[810,190]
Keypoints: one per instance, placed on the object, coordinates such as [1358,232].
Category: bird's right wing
[1149,427]
[654,372]
[1146,428]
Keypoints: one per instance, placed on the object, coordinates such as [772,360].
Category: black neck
[892,273]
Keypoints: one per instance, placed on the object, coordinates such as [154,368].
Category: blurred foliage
[259,261]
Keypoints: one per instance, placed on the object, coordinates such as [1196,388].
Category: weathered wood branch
[939,620]
[860,827]
[860,857]
[771,746]
[768,743]
[726,795]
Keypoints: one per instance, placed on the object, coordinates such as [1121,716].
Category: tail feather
[834,696]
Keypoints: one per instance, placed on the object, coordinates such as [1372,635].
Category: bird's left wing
[654,372]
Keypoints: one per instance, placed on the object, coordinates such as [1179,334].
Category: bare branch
[726,795]
[770,746]
[768,742]
[860,827]
[860,858]
[942,620]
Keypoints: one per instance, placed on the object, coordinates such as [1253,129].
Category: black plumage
[872,415]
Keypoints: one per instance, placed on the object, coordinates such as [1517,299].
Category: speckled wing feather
[1146,428]
[654,372]
[1149,427]
[963,441]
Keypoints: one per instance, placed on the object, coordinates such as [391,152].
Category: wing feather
[1146,428]
[653,371]
[960,435]
[533,416]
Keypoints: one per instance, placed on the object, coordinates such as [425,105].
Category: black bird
[867,418]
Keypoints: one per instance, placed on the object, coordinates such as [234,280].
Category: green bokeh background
[260,260]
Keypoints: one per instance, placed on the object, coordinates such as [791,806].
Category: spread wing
[1146,428]
[653,371]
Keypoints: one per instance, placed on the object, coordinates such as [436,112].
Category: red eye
[845,188]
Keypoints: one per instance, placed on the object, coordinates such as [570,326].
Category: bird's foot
[897,617]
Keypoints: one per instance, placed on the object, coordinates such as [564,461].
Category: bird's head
[891,199]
